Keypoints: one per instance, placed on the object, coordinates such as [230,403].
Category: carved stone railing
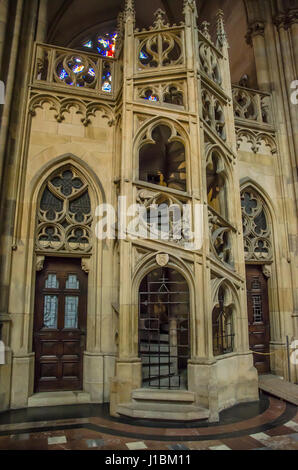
[76,70]
[252,105]
[220,237]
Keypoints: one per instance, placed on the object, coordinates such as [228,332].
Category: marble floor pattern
[270,424]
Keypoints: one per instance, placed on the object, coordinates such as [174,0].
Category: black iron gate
[164,329]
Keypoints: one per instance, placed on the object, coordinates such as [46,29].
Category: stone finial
[159,22]
[190,4]
[205,30]
[221,33]
[120,30]
[129,10]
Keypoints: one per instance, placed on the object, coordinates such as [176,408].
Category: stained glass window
[150,96]
[104,45]
[106,78]
[64,215]
[75,71]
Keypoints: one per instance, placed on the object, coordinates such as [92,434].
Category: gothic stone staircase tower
[178,146]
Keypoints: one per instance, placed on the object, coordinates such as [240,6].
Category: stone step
[163,395]
[166,412]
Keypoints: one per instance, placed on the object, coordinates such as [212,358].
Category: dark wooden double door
[258,317]
[60,325]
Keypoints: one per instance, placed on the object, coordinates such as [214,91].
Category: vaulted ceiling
[71,21]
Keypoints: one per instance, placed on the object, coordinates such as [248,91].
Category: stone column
[3,21]
[294,34]
[255,37]
[128,374]
[42,25]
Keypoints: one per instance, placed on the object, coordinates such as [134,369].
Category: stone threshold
[58,398]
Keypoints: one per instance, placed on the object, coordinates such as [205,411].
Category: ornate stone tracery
[210,63]
[256,228]
[64,214]
[213,113]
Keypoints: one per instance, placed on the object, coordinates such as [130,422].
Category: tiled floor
[270,424]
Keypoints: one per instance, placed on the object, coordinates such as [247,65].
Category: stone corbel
[255,29]
[267,270]
[85,263]
[286,20]
[39,263]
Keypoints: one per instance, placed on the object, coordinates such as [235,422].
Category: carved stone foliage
[255,141]
[252,105]
[64,215]
[170,93]
[62,106]
[220,238]
[256,229]
[213,114]
[210,63]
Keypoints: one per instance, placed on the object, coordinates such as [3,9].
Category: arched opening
[222,325]
[217,185]
[164,335]
[163,161]
[258,255]
[63,236]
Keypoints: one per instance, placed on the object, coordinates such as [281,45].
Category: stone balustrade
[86,72]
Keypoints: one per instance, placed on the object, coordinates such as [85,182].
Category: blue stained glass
[78,68]
[151,98]
[63,74]
[107,86]
[105,44]
[143,55]
[91,72]
[88,44]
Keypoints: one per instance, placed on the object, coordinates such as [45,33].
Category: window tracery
[256,229]
[64,214]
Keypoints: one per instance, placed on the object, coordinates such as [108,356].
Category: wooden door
[60,325]
[258,317]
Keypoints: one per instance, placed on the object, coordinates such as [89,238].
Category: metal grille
[257,308]
[223,334]
[164,329]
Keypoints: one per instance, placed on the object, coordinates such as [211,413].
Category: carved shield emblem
[162,259]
